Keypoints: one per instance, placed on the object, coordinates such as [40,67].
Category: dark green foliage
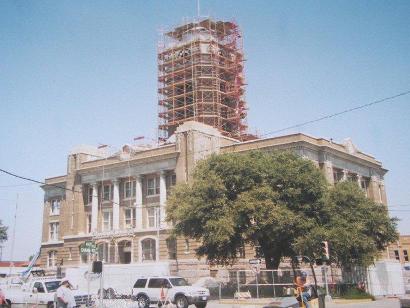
[280,202]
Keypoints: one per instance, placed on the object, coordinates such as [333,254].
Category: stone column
[116,205]
[162,198]
[138,202]
[116,253]
[345,173]
[94,208]
[359,180]
[374,189]
[382,192]
[328,171]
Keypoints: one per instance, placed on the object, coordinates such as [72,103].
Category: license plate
[204,298]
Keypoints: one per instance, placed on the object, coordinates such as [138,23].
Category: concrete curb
[350,301]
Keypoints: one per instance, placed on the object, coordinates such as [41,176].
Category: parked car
[165,289]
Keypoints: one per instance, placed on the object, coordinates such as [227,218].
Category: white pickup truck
[39,292]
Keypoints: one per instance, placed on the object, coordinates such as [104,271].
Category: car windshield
[179,282]
[52,286]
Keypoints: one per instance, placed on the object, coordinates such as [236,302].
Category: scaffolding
[200,78]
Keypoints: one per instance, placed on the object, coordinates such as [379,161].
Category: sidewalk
[337,303]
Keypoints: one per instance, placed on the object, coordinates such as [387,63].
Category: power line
[36,181]
[337,113]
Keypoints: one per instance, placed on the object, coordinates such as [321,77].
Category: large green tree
[276,201]
[3,232]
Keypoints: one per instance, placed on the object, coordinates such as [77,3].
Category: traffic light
[325,250]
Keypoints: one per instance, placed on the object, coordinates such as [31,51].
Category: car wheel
[181,302]
[103,293]
[200,305]
[50,305]
[142,301]
[110,293]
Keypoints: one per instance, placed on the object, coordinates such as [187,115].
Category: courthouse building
[119,201]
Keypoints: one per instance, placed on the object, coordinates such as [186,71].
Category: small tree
[3,232]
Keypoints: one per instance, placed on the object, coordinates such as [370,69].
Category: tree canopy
[279,203]
[3,232]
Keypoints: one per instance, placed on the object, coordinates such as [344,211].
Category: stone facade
[119,201]
[400,250]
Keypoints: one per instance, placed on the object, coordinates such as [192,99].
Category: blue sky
[84,72]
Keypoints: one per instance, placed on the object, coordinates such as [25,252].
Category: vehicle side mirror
[35,290]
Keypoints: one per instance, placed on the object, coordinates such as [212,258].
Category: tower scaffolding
[200,78]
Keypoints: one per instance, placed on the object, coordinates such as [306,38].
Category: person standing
[65,296]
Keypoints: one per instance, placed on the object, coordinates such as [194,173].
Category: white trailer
[118,277]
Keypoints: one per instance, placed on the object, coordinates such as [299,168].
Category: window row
[129,219]
[128,188]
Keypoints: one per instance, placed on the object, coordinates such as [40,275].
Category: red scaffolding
[200,78]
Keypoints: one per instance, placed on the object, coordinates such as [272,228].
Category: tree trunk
[272,258]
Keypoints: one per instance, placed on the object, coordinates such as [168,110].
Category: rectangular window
[129,189]
[337,175]
[107,192]
[54,230]
[406,256]
[172,248]
[171,180]
[363,185]
[129,218]
[107,220]
[55,207]
[90,195]
[397,255]
[152,217]
[153,186]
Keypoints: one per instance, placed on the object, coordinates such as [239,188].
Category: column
[328,171]
[162,197]
[116,205]
[116,255]
[345,173]
[374,188]
[94,208]
[359,180]
[382,190]
[138,202]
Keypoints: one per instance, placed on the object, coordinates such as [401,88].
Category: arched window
[148,247]
[51,258]
[124,252]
